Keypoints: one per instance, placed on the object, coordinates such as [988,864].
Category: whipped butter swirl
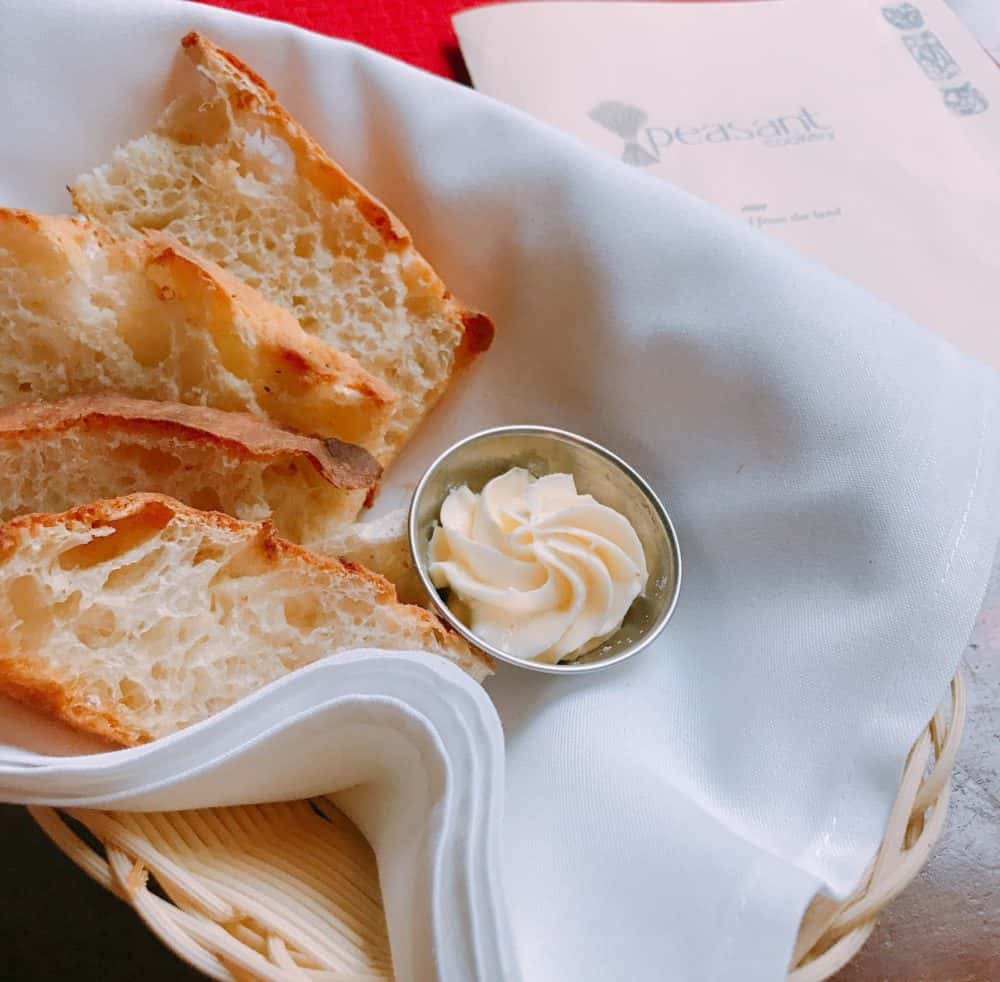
[537,570]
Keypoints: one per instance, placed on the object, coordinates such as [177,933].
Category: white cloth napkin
[417,749]
[832,470]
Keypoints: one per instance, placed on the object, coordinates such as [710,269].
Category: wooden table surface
[57,924]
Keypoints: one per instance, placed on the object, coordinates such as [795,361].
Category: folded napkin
[832,470]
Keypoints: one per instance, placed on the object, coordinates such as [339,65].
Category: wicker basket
[290,891]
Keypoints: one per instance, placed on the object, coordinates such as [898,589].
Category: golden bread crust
[340,464]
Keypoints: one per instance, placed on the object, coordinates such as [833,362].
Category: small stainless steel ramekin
[543,450]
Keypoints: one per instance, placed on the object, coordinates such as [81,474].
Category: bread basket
[290,891]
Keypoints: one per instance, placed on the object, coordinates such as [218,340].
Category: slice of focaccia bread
[135,617]
[228,172]
[82,311]
[55,455]
[381,544]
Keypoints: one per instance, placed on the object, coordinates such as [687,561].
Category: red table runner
[417,31]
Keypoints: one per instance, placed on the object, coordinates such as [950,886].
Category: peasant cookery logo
[644,145]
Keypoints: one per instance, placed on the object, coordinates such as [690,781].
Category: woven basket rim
[249,910]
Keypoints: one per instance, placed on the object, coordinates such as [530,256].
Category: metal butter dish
[543,450]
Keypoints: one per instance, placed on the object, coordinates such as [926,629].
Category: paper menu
[864,134]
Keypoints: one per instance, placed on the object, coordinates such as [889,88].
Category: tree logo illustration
[625,121]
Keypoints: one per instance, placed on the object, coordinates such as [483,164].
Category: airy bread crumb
[382,545]
[135,617]
[82,311]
